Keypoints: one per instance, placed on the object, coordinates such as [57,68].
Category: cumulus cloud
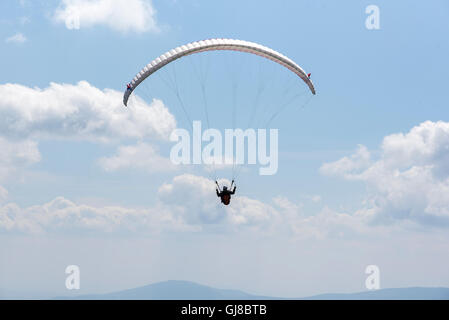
[3,194]
[185,204]
[252,212]
[410,179]
[140,156]
[18,38]
[119,15]
[327,223]
[64,216]
[16,155]
[79,111]
[285,203]
[188,202]
[193,199]
[348,166]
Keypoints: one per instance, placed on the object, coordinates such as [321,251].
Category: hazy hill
[173,290]
[179,290]
[413,293]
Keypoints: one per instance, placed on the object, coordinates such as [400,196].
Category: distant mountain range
[172,290]
[412,293]
[185,290]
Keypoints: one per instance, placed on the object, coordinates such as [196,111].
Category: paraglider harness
[225,194]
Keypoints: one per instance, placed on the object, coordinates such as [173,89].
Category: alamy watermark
[190,150]
[72,19]
[372,22]
[73,280]
[372,282]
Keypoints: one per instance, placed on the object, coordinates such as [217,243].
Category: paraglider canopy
[216,44]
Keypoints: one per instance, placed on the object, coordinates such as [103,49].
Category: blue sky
[362,176]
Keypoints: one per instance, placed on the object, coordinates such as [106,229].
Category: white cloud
[346,166]
[329,223]
[119,15]
[18,38]
[409,181]
[193,199]
[140,156]
[79,111]
[251,212]
[326,223]
[64,216]
[3,194]
[187,203]
[16,155]
[287,206]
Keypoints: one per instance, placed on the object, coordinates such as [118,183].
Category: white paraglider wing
[215,44]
